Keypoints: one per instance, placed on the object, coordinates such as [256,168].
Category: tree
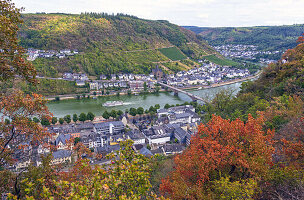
[106,115]
[15,106]
[126,177]
[113,114]
[129,92]
[157,106]
[54,120]
[119,112]
[90,116]
[45,121]
[61,121]
[12,60]
[157,88]
[75,118]
[140,110]
[167,106]
[36,120]
[133,111]
[76,140]
[82,117]
[67,118]
[221,149]
[145,87]
[152,109]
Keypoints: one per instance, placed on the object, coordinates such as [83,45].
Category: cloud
[184,12]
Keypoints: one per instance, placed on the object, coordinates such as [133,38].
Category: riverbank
[74,96]
[222,83]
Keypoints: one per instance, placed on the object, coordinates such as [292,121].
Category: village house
[109,128]
[61,156]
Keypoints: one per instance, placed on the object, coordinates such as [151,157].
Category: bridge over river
[177,90]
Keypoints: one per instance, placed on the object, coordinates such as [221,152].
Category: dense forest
[107,43]
[265,37]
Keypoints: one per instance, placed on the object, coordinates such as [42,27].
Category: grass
[173,53]
[219,61]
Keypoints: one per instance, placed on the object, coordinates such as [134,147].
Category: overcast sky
[211,13]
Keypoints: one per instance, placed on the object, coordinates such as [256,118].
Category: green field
[219,61]
[173,53]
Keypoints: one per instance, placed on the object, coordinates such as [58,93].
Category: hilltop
[110,43]
[265,37]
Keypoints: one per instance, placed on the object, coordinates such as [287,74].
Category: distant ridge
[265,37]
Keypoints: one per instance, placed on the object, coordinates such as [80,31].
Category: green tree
[76,140]
[36,120]
[90,116]
[67,118]
[119,113]
[75,118]
[82,117]
[61,121]
[167,106]
[157,106]
[133,111]
[140,110]
[45,121]
[106,115]
[54,120]
[129,92]
[152,109]
[145,87]
[113,114]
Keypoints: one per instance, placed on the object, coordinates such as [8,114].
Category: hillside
[265,37]
[106,43]
[249,146]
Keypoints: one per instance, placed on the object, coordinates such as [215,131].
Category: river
[69,107]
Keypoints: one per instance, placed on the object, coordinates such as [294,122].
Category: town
[202,76]
[37,53]
[166,132]
[247,52]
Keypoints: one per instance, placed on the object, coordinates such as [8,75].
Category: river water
[69,107]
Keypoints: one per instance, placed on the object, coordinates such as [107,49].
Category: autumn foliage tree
[125,177]
[221,148]
[17,130]
[12,62]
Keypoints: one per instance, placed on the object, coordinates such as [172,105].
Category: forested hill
[107,43]
[265,37]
